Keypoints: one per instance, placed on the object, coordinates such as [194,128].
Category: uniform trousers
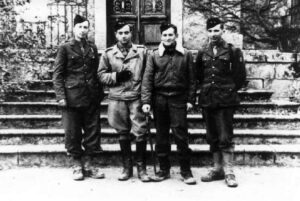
[171,112]
[219,128]
[82,130]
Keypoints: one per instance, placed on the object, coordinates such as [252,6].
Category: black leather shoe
[126,174]
[188,178]
[213,175]
[161,175]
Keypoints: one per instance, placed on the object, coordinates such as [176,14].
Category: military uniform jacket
[75,74]
[113,61]
[220,76]
[169,75]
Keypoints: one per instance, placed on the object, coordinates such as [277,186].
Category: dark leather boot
[186,173]
[90,168]
[164,169]
[217,173]
[141,161]
[126,160]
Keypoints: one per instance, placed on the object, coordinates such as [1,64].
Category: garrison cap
[79,19]
[211,22]
[120,25]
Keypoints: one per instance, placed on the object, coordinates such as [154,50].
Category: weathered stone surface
[255,84]
[8,160]
[260,70]
[284,71]
[194,30]
[268,56]
[281,88]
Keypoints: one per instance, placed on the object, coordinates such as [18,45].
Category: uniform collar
[132,52]
[76,46]
[161,49]
[74,42]
[221,44]
[222,48]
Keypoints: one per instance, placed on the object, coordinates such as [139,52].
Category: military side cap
[211,22]
[120,25]
[79,19]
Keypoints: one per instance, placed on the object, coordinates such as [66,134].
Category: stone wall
[275,71]
[194,29]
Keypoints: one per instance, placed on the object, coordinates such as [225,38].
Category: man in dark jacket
[121,69]
[221,73]
[169,86]
[79,93]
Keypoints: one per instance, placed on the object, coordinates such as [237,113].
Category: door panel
[145,16]
[121,10]
[153,13]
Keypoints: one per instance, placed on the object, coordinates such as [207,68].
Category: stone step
[250,121]
[255,94]
[40,85]
[257,107]
[109,136]
[55,156]
[48,84]
[49,95]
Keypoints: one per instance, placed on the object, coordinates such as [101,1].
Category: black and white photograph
[149,100]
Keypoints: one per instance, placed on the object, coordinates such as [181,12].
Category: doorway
[145,17]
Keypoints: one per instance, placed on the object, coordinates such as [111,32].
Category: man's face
[215,33]
[168,37]
[81,30]
[124,35]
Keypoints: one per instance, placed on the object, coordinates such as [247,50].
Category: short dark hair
[165,26]
[120,25]
[214,21]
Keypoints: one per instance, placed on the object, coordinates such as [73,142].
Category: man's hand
[189,106]
[146,108]
[123,75]
[62,103]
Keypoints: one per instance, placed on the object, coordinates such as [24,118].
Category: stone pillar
[177,16]
[100,24]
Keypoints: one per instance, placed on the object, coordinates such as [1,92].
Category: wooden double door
[145,16]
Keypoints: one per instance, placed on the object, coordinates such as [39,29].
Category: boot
[77,169]
[185,168]
[217,173]
[228,168]
[141,161]
[186,173]
[187,178]
[164,169]
[126,160]
[90,169]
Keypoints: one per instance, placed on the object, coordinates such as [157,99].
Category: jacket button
[213,67]
[213,75]
[212,82]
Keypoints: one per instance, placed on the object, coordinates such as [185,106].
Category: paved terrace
[50,184]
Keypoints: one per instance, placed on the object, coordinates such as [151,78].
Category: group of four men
[164,80]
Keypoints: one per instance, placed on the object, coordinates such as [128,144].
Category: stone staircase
[266,132]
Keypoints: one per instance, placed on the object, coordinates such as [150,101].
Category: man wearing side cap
[169,86]
[121,69]
[221,73]
[79,92]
